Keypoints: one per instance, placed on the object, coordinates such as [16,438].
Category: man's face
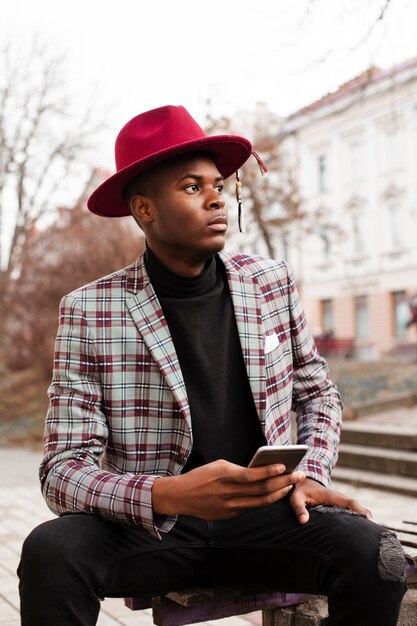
[187,218]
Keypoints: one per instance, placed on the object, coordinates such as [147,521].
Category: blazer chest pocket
[277,354]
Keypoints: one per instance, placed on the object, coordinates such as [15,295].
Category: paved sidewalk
[22,508]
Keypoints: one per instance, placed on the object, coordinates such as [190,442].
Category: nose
[214,200]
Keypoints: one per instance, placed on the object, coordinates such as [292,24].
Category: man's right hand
[221,490]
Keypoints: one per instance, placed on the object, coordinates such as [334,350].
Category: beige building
[356,157]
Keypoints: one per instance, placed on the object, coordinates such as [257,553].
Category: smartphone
[290,456]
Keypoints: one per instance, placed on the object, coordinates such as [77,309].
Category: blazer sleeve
[76,433]
[316,400]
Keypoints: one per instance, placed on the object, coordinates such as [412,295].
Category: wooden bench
[195,605]
[335,347]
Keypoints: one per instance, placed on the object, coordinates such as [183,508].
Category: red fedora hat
[154,136]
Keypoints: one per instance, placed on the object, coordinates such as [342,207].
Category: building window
[362,317]
[356,162]
[395,224]
[401,313]
[327,319]
[391,152]
[322,173]
[324,234]
[357,234]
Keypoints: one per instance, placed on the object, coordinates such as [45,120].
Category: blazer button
[180,458]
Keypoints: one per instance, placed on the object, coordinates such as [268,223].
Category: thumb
[298,503]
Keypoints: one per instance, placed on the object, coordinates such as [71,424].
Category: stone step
[360,433]
[362,478]
[375,459]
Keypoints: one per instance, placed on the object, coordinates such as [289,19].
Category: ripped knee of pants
[391,559]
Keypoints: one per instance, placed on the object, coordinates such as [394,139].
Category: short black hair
[138,186]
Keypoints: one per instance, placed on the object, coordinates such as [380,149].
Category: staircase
[378,456]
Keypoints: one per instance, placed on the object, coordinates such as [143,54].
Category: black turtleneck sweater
[201,320]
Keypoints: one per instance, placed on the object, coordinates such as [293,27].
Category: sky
[221,56]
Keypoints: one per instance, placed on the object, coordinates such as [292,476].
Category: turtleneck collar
[168,284]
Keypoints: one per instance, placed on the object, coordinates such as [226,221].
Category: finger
[298,503]
[269,485]
[297,477]
[256,474]
[338,499]
[224,470]
[354,505]
[239,504]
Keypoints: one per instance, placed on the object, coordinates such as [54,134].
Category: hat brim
[230,152]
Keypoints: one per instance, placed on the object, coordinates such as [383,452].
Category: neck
[183,267]
[169,284]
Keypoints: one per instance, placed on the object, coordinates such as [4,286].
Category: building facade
[356,159]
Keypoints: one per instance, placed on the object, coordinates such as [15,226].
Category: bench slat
[404,527]
[406,539]
[193,597]
[166,612]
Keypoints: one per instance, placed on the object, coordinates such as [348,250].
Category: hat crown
[155,131]
[151,138]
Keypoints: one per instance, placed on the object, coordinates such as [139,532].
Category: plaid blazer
[119,417]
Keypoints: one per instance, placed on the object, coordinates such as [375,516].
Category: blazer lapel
[148,316]
[246,299]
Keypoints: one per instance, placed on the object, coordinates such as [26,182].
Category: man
[168,375]
[413,311]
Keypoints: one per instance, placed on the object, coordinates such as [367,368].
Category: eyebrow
[198,177]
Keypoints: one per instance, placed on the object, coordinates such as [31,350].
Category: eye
[191,188]
[219,188]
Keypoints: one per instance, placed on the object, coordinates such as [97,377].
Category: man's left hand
[311,493]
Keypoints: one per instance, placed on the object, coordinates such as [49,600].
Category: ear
[141,207]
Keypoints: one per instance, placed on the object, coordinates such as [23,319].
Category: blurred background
[326,91]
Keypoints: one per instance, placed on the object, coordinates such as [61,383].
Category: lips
[220,220]
[219,224]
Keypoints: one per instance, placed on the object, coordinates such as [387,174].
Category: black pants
[70,562]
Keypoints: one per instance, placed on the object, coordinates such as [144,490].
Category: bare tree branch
[40,140]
